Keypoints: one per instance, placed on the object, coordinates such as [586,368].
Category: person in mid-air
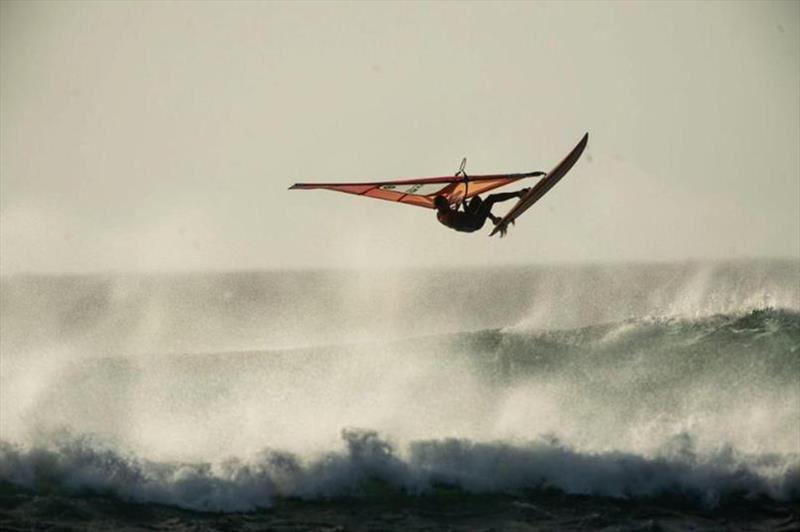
[437,192]
[474,215]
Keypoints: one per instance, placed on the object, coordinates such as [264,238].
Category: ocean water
[237,392]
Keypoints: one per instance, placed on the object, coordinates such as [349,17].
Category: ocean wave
[215,312]
[369,466]
[657,381]
[629,386]
[764,341]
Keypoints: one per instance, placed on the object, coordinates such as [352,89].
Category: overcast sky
[163,136]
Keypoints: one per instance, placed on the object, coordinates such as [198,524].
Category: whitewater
[232,392]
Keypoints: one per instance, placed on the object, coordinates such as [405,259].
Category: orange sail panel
[421,192]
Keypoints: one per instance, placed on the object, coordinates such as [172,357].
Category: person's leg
[474,204]
[485,210]
[505,196]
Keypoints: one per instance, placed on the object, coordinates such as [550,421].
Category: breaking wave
[626,400]
[369,466]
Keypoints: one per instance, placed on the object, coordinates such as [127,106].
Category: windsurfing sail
[422,191]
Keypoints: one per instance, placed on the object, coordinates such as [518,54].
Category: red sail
[422,191]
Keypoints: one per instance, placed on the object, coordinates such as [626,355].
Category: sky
[163,136]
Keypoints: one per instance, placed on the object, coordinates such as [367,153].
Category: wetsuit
[473,218]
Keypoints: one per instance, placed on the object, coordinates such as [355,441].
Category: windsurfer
[474,215]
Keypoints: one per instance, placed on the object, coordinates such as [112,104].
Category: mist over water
[223,391]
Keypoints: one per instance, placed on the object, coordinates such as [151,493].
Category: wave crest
[370,466]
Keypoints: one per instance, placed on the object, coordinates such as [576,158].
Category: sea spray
[518,379]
